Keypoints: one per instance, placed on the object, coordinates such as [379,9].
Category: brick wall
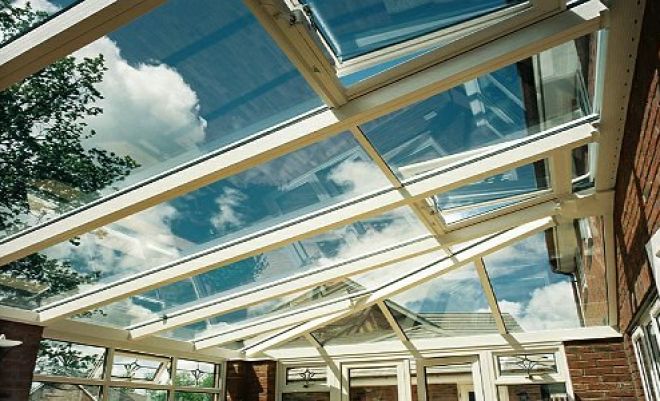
[17,364]
[251,380]
[600,370]
[438,392]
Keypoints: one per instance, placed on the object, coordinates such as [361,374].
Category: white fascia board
[66,33]
[19,315]
[423,274]
[260,326]
[287,286]
[260,148]
[510,155]
[103,336]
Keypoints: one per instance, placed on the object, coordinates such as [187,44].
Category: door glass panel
[306,396]
[373,384]
[533,392]
[450,382]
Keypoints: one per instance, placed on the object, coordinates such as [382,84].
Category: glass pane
[356,28]
[373,384]
[189,396]
[590,269]
[366,326]
[307,374]
[139,367]
[61,358]
[293,185]
[64,392]
[136,394]
[195,374]
[526,365]
[22,16]
[507,104]
[533,392]
[450,305]
[302,256]
[492,193]
[264,310]
[306,396]
[532,285]
[171,86]
[643,356]
[446,382]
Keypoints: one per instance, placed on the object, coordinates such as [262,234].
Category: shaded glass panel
[373,384]
[356,28]
[195,374]
[532,392]
[306,396]
[317,252]
[136,394]
[61,358]
[64,392]
[446,382]
[171,86]
[507,104]
[492,193]
[306,374]
[448,306]
[529,285]
[527,364]
[20,17]
[259,198]
[366,326]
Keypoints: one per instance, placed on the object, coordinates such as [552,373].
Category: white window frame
[653,253]
[643,351]
[402,373]
[477,381]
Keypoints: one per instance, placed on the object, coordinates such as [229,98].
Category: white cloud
[358,177]
[149,111]
[550,307]
[228,203]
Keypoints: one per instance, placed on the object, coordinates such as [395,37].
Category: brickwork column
[600,370]
[251,380]
[17,364]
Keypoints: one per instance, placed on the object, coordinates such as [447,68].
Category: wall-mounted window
[537,375]
[646,344]
[305,382]
[76,372]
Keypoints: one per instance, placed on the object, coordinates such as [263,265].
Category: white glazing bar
[424,274]
[487,287]
[66,33]
[286,286]
[501,52]
[509,156]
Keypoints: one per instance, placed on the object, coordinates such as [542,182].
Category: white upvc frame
[269,144]
[644,351]
[473,361]
[402,375]
[106,381]
[501,158]
[294,32]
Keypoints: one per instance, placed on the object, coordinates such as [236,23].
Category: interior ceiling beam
[411,280]
[269,144]
[509,155]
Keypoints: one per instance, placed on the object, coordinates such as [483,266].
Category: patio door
[447,379]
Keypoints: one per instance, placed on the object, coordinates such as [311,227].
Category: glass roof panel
[263,310]
[530,287]
[23,22]
[448,306]
[492,193]
[302,256]
[366,326]
[175,84]
[507,104]
[356,28]
[301,182]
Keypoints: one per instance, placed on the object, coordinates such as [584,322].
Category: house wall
[17,364]
[251,380]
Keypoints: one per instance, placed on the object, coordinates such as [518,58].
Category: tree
[42,154]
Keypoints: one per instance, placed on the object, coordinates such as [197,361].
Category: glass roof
[166,97]
[25,21]
[356,28]
[180,83]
